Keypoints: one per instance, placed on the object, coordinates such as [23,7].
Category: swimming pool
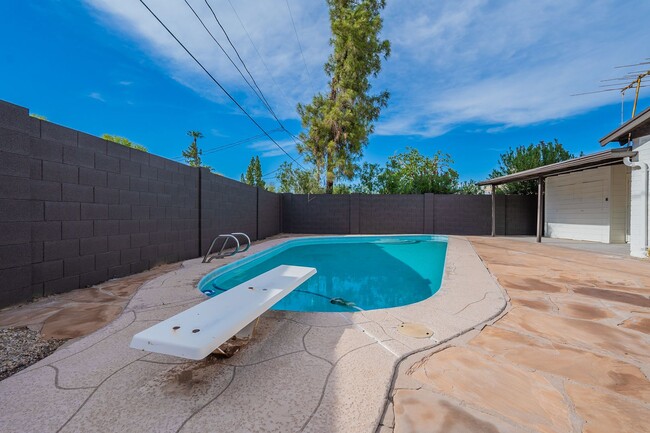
[353,272]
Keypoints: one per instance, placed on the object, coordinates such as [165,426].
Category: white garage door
[577,206]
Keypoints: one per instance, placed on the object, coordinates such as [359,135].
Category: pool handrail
[208,258]
[248,240]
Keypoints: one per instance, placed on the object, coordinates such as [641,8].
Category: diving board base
[200,330]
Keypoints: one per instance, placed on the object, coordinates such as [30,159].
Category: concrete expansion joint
[95,389]
[577,423]
[471,303]
[262,361]
[65,388]
[326,383]
[304,345]
[232,378]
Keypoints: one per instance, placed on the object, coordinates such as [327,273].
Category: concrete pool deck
[314,372]
[568,352]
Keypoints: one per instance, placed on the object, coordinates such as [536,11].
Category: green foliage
[124,142]
[297,181]
[253,174]
[525,158]
[193,154]
[413,173]
[368,179]
[469,187]
[342,188]
[340,121]
[37,116]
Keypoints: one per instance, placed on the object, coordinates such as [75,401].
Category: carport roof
[599,159]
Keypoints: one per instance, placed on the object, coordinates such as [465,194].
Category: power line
[270,173]
[230,145]
[268,106]
[219,85]
[222,48]
[265,102]
[302,54]
[238,143]
[268,70]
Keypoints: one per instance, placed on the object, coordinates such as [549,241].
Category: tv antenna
[630,80]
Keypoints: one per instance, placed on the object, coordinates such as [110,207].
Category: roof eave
[636,127]
[607,157]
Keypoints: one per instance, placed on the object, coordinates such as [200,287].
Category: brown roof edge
[638,126]
[599,159]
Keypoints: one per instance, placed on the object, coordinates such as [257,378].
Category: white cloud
[97,96]
[125,83]
[493,63]
[502,64]
[269,26]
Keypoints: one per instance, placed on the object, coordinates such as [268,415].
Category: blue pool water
[366,272]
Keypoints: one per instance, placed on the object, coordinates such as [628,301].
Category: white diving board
[198,331]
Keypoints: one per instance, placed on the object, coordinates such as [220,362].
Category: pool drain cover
[415,330]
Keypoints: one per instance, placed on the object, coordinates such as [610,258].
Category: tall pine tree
[340,121]
[253,174]
[192,154]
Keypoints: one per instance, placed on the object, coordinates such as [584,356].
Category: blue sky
[468,77]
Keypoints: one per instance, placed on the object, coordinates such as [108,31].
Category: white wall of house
[588,205]
[638,215]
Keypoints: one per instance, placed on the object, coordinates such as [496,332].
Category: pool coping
[333,371]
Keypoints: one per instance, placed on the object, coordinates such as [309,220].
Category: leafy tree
[37,116]
[340,121]
[192,154]
[297,181]
[368,179]
[342,188]
[527,157]
[124,142]
[469,187]
[413,173]
[253,174]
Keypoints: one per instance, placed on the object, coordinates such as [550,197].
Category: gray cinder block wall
[76,210]
[416,213]
[229,206]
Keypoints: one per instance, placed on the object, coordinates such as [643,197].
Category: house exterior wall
[638,215]
[577,205]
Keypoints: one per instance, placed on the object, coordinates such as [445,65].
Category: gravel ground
[21,347]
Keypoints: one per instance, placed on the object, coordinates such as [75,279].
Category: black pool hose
[336,301]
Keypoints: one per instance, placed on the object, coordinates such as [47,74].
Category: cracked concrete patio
[314,372]
[570,354]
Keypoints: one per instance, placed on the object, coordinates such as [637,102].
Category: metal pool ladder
[221,254]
